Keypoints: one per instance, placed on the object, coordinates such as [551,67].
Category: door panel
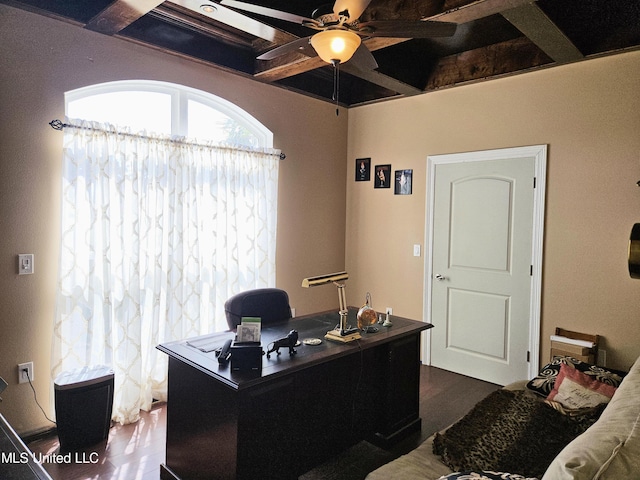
[486,222]
[480,286]
[489,313]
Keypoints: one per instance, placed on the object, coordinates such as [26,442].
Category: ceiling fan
[339,31]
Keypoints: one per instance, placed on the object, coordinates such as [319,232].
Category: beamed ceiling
[493,38]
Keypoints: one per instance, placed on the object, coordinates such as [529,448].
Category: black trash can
[84,401]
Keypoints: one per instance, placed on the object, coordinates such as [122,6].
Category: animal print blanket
[510,431]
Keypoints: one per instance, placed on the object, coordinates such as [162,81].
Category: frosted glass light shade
[335,45]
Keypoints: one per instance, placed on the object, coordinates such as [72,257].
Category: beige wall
[41,59]
[589,115]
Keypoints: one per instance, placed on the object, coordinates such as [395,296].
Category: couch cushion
[419,464]
[609,449]
[625,461]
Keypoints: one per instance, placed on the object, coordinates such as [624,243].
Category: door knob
[440,277]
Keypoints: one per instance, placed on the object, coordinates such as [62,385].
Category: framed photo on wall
[363,169]
[383,176]
[403,182]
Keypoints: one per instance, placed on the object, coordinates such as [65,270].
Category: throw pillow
[509,431]
[574,389]
[543,383]
[484,476]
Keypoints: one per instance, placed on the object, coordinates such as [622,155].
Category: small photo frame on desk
[249,330]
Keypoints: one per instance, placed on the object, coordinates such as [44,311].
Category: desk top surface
[308,326]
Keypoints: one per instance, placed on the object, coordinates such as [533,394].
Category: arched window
[170,109]
[157,232]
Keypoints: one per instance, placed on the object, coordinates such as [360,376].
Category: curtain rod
[59,125]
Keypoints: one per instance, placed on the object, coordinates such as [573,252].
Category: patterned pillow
[574,389]
[544,382]
[485,475]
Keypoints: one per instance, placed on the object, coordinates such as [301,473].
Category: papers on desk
[209,343]
[572,341]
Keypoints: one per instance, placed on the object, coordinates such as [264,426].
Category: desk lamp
[337,279]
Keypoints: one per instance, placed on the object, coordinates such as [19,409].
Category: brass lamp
[338,280]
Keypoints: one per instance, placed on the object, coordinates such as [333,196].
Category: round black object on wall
[634,251]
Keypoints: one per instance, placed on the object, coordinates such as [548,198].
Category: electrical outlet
[602,357]
[25,372]
[389,311]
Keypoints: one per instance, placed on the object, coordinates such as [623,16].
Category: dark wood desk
[299,410]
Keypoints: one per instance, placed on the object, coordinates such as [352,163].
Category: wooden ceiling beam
[536,26]
[476,10]
[120,14]
[500,59]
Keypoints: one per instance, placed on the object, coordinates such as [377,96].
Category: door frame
[539,153]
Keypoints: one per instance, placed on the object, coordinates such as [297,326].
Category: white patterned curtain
[155,236]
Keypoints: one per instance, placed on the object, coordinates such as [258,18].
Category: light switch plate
[25,263]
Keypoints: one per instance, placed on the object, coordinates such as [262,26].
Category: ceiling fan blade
[406,28]
[354,7]
[232,18]
[300,45]
[363,59]
[268,12]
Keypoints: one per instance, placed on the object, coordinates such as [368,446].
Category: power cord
[35,396]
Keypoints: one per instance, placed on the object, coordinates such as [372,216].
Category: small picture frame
[249,329]
[363,169]
[403,182]
[382,176]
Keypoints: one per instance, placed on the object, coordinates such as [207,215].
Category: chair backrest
[270,304]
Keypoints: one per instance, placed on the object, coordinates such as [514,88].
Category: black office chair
[270,304]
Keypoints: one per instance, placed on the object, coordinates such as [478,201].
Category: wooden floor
[135,451]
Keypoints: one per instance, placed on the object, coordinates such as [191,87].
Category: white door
[484,231]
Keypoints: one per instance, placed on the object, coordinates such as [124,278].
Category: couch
[603,442]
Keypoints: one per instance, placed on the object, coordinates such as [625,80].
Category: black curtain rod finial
[56,124]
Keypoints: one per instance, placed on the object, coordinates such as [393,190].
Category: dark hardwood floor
[135,451]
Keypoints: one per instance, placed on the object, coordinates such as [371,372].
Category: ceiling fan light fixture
[335,45]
